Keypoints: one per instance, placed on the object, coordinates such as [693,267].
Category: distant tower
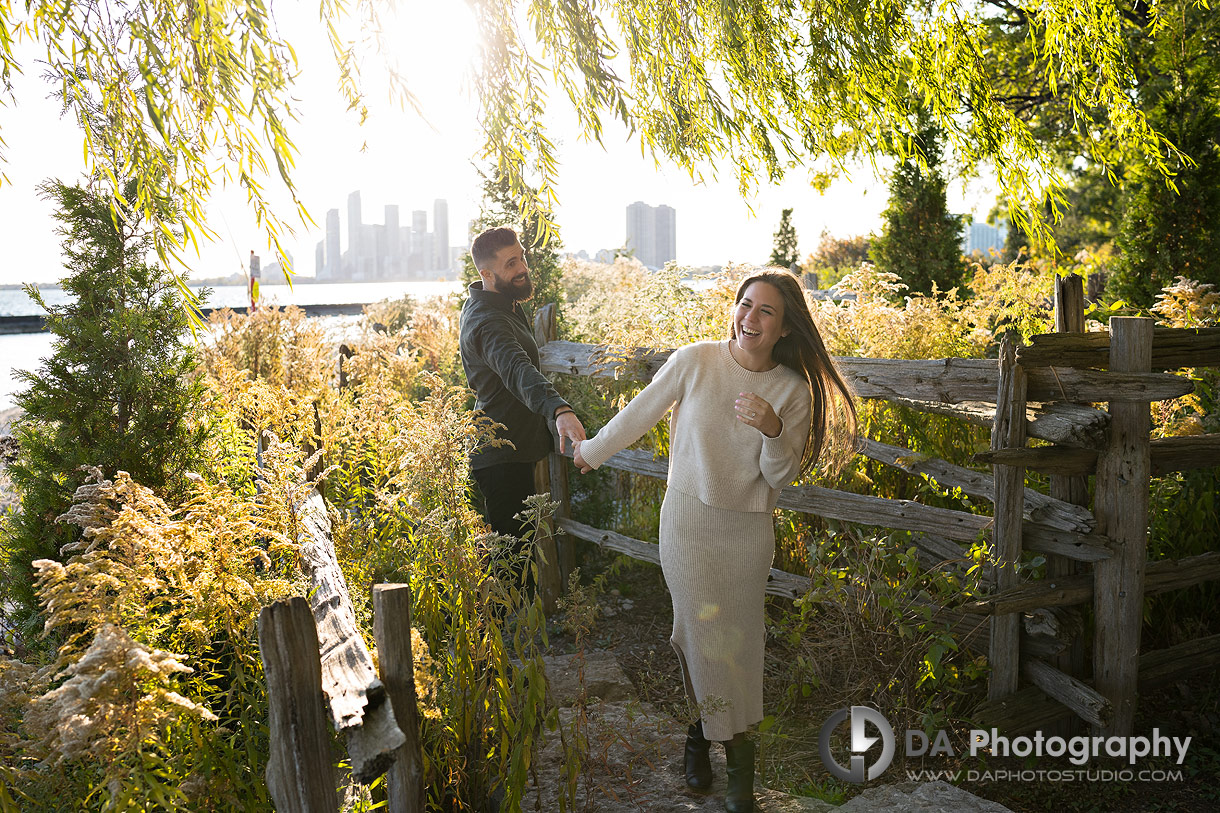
[319,260]
[355,234]
[404,251]
[427,250]
[983,237]
[652,233]
[666,247]
[391,256]
[334,254]
[367,264]
[420,257]
[642,232]
[440,234]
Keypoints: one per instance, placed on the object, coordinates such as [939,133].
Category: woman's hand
[584,467]
[756,412]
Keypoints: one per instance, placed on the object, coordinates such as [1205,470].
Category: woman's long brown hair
[832,418]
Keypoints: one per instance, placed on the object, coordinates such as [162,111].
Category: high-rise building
[641,231]
[426,243]
[355,233]
[421,253]
[391,255]
[983,237]
[440,234]
[319,260]
[666,245]
[366,261]
[404,247]
[652,233]
[334,254]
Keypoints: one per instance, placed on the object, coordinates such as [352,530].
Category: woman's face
[758,318]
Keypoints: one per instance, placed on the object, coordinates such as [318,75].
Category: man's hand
[569,426]
[584,467]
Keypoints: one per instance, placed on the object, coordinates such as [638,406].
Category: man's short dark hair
[483,249]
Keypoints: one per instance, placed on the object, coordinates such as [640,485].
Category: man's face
[509,275]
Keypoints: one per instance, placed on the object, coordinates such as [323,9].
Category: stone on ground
[910,797]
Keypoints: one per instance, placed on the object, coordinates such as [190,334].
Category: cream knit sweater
[713,456]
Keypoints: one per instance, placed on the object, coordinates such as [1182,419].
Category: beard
[521,292]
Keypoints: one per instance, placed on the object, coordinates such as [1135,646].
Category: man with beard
[500,358]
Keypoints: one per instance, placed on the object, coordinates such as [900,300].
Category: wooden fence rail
[1046,390]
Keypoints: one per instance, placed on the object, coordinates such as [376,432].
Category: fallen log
[359,706]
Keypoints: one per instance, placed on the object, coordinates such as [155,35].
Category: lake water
[24,351]
[15,302]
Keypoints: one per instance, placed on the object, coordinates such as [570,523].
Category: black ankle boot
[740,796]
[698,766]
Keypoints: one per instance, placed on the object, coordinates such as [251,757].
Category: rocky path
[635,757]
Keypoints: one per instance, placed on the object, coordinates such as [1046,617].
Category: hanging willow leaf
[185,94]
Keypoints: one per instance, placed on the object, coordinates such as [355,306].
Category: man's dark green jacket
[500,358]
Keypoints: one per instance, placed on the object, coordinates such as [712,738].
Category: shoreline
[241,282]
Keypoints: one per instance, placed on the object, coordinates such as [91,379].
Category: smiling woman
[749,416]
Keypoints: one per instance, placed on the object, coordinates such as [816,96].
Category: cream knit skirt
[716,562]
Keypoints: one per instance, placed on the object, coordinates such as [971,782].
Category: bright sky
[410,163]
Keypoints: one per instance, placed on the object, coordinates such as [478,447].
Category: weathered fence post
[550,583]
[557,466]
[1007,432]
[345,353]
[300,776]
[1121,506]
[1097,284]
[1074,489]
[392,631]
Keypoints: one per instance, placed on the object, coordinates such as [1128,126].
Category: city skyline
[387,250]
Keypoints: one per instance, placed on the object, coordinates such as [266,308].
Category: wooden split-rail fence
[1032,631]
[1048,389]
[315,661]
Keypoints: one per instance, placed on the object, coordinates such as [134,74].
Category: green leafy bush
[119,390]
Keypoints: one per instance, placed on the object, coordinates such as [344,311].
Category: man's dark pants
[505,487]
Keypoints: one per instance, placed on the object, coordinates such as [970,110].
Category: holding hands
[584,467]
[567,425]
[755,411]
